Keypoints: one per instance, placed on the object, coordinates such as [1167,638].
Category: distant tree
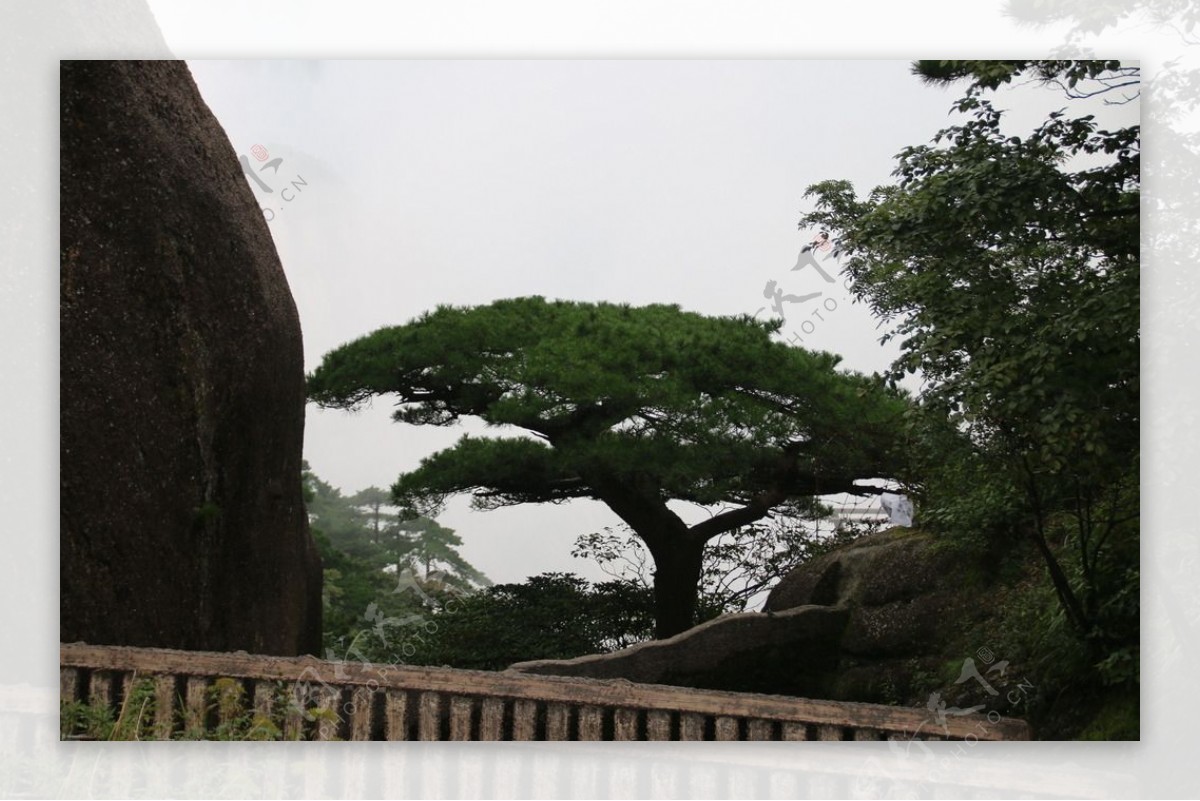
[374,501]
[635,407]
[338,518]
[383,579]
[428,547]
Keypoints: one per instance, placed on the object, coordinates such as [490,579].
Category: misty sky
[407,184]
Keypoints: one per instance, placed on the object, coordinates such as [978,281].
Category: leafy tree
[634,407]
[551,616]
[1010,266]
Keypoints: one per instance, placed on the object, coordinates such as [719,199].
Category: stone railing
[181,693]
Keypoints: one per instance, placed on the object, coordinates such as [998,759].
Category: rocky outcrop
[909,603]
[877,620]
[901,590]
[182,385]
[792,653]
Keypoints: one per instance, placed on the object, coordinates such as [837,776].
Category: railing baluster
[460,717]
[491,719]
[264,700]
[127,680]
[328,715]
[196,706]
[558,722]
[758,730]
[100,688]
[829,732]
[293,715]
[625,724]
[794,731]
[658,725]
[524,719]
[726,728]
[429,718]
[691,726]
[361,701]
[68,684]
[395,710]
[164,706]
[228,703]
[591,723]
[867,734]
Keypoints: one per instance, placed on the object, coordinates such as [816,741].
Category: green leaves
[1012,299]
[1076,78]
[548,616]
[689,405]
[1012,276]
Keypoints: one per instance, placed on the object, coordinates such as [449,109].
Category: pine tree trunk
[676,587]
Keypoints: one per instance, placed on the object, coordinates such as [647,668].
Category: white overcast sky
[408,184]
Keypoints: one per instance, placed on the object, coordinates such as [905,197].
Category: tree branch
[735,518]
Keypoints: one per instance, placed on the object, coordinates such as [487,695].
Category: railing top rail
[553,689]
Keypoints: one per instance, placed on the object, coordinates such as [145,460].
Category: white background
[33,763]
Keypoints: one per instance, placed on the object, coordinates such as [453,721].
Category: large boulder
[909,603]
[901,590]
[182,384]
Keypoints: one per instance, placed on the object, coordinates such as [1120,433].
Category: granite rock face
[902,592]
[909,604]
[182,387]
